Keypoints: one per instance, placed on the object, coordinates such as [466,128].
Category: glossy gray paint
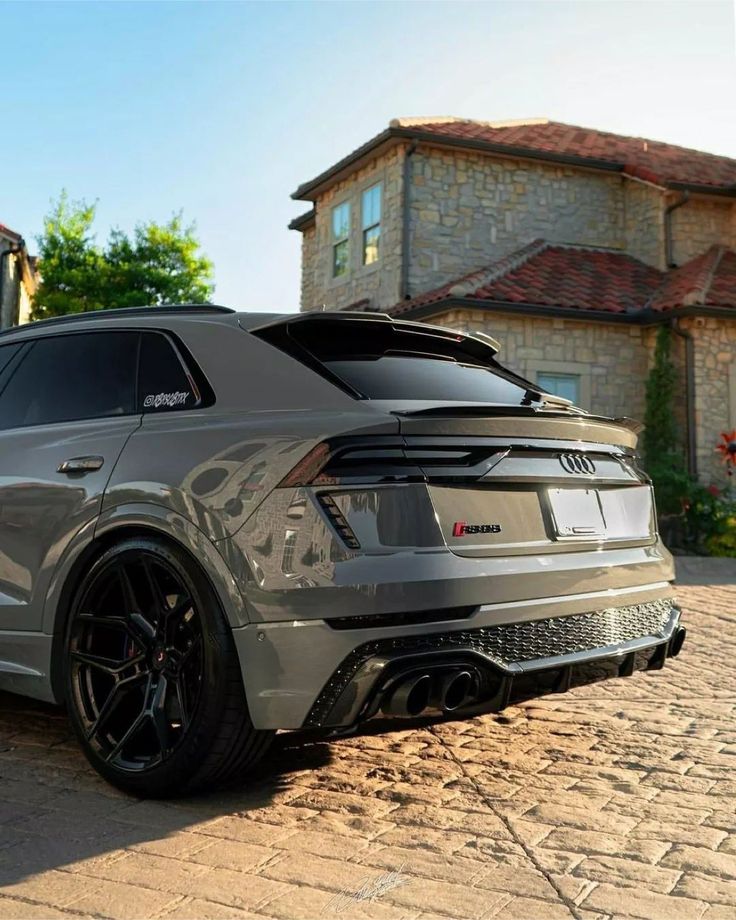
[208,479]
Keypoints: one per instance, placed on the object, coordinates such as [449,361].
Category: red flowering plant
[727,448]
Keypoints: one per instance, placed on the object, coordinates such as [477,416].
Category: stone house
[18,279]
[569,245]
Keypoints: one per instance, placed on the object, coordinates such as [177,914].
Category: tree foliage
[158,264]
[663,454]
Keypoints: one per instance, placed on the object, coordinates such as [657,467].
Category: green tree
[663,454]
[160,263]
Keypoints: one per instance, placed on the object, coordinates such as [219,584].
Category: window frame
[338,241]
[377,224]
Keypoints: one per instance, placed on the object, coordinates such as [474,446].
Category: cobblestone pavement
[616,800]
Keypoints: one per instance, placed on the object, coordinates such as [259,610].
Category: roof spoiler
[480,343]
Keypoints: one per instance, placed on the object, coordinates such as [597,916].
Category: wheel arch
[118,525]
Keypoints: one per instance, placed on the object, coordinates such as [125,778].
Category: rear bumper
[499,663]
[307,674]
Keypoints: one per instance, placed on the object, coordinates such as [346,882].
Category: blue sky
[222,109]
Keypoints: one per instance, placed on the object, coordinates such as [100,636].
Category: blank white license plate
[577,512]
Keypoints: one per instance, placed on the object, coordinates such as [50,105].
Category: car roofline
[184,309]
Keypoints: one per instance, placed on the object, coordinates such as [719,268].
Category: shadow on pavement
[56,811]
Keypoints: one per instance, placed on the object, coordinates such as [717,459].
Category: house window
[565,385]
[340,241]
[371,213]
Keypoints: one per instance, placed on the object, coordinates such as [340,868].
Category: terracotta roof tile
[707,280]
[551,275]
[654,161]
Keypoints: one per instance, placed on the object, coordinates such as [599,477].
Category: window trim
[366,229]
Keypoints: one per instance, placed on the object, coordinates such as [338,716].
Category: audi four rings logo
[577,463]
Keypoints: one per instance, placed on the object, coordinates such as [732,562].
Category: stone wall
[699,224]
[467,210]
[611,359]
[715,390]
[644,222]
[379,282]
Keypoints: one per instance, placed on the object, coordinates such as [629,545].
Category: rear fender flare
[154,519]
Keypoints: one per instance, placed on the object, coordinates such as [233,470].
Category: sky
[221,109]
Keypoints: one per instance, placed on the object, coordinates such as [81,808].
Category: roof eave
[722,191]
[304,221]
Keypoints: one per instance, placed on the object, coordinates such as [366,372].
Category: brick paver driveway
[616,800]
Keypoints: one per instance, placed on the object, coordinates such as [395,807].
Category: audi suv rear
[216,525]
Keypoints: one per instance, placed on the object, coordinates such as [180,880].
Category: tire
[152,678]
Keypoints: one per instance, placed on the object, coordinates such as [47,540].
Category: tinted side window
[7,353]
[164,383]
[67,377]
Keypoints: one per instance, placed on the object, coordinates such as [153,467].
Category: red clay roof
[655,161]
[566,277]
[707,280]
[647,159]
[550,275]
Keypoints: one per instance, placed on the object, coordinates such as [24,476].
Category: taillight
[307,468]
[358,461]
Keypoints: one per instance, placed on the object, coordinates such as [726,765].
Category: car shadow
[56,812]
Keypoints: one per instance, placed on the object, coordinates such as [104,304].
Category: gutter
[692,454]
[405,215]
[668,212]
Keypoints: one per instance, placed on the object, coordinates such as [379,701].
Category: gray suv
[214,525]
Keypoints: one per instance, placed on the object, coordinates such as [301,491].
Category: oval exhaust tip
[456,690]
[411,697]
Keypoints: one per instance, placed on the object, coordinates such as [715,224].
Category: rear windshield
[404,377]
[375,360]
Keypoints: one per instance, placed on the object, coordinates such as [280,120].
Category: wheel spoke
[142,630]
[160,604]
[112,702]
[181,696]
[134,727]
[159,717]
[109,665]
[129,598]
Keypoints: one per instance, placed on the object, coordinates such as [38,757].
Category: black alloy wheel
[153,680]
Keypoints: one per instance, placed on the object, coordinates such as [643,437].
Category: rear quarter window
[165,382]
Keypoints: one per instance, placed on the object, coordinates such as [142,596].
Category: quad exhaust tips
[447,691]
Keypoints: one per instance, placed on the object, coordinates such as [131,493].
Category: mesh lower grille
[510,642]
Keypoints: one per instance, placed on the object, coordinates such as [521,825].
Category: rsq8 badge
[463,529]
